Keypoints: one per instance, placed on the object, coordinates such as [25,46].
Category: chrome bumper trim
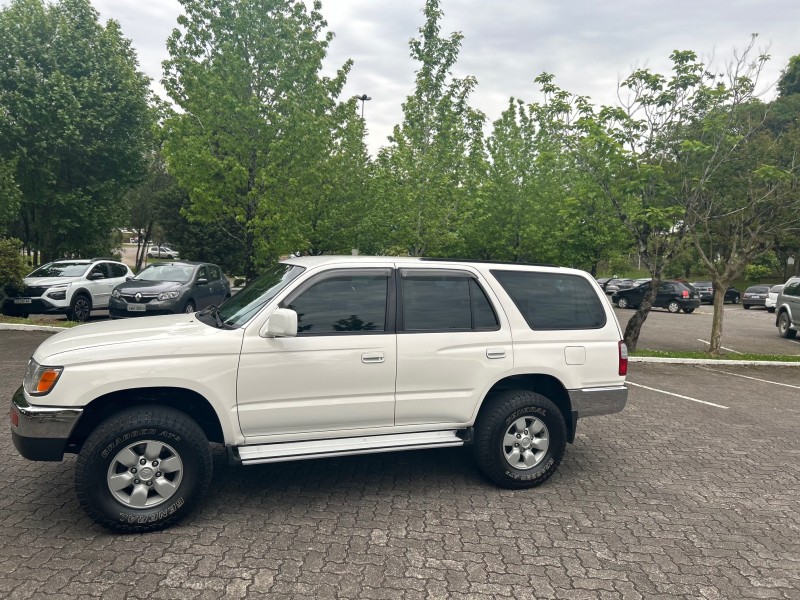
[43,421]
[591,402]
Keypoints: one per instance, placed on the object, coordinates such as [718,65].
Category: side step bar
[286,451]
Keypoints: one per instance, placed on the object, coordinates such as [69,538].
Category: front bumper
[37,306]
[41,432]
[592,402]
[118,308]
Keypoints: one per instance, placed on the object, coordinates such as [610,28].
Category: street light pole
[363,99]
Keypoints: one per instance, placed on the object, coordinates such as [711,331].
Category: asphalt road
[691,492]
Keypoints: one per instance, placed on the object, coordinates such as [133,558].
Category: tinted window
[444,302]
[343,303]
[213,272]
[117,270]
[792,289]
[99,268]
[553,300]
[202,273]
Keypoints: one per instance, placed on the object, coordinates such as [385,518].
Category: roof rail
[104,258]
[496,262]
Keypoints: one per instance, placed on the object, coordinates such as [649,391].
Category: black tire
[674,306]
[150,255]
[746,306]
[504,411]
[784,327]
[735,300]
[80,308]
[623,302]
[771,309]
[189,307]
[127,435]
[688,311]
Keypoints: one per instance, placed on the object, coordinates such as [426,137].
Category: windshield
[179,273]
[61,269]
[241,308]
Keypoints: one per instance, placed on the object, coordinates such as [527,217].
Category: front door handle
[495,353]
[372,357]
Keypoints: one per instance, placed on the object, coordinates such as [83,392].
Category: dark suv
[672,295]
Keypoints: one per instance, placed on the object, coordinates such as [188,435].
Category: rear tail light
[685,293]
[623,358]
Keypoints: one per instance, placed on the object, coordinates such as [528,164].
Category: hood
[134,286]
[149,335]
[47,281]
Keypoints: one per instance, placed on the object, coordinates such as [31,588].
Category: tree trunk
[716,321]
[634,327]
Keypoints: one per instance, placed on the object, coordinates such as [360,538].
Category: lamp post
[363,99]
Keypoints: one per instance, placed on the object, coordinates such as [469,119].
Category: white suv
[71,287]
[325,356]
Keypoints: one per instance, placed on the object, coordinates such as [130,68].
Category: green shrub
[12,266]
[756,272]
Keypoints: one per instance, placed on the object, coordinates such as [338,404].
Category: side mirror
[201,281]
[96,276]
[129,277]
[281,323]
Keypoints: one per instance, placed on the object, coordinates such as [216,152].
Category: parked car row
[675,296]
[78,287]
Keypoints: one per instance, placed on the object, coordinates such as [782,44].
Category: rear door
[452,341]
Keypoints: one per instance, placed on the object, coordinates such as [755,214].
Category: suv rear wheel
[674,306]
[520,438]
[143,469]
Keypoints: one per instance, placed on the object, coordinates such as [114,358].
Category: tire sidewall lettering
[141,434]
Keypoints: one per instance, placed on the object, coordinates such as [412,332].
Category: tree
[789,82]
[252,140]
[429,172]
[75,122]
[656,156]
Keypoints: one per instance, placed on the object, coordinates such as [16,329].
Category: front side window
[551,301]
[791,289]
[343,304]
[202,273]
[213,272]
[257,294]
[436,301]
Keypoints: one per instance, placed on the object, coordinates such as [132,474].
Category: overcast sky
[587,44]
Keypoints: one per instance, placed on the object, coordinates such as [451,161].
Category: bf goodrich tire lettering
[541,442]
[143,469]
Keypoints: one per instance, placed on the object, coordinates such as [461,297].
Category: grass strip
[34,321]
[721,357]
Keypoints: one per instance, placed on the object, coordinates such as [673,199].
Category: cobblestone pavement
[669,499]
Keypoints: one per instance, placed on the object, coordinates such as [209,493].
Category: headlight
[168,295]
[57,294]
[39,380]
[115,294]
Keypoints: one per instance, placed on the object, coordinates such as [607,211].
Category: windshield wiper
[214,312]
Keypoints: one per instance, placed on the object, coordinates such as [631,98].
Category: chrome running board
[286,451]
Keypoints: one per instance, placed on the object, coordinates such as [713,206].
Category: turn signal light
[47,380]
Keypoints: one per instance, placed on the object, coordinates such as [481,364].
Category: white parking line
[676,395]
[796,387]
[723,347]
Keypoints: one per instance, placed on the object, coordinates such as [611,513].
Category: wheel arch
[193,404]
[546,385]
[81,292]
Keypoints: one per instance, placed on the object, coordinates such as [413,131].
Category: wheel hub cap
[525,443]
[144,474]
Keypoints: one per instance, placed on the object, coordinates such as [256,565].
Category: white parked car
[325,356]
[772,297]
[161,252]
[71,287]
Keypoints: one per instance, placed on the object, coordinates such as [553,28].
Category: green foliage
[12,265]
[258,125]
[75,122]
[427,177]
[789,82]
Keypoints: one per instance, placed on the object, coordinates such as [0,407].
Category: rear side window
[117,270]
[553,300]
[434,301]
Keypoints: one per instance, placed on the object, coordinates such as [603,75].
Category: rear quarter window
[550,301]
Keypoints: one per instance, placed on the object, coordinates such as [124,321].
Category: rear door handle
[372,357]
[495,353]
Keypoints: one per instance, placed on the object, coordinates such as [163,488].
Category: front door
[337,374]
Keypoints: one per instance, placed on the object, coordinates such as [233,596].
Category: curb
[710,361]
[19,327]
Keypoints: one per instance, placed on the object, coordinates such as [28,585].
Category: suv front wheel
[80,308]
[143,469]
[520,438]
[784,326]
